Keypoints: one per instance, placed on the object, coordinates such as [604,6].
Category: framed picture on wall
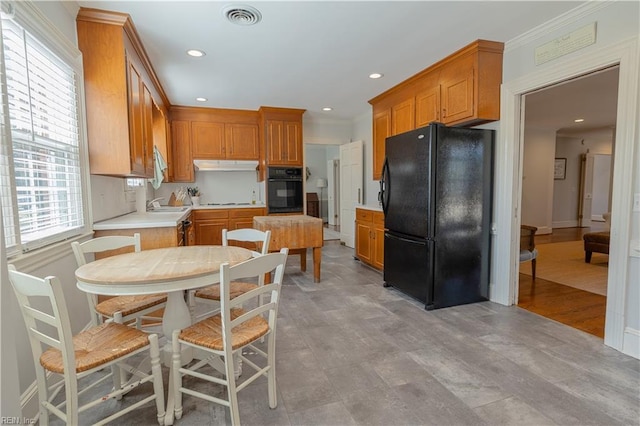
[560,169]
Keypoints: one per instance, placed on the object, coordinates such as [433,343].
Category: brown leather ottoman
[595,241]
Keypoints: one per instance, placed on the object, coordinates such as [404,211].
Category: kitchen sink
[168,209]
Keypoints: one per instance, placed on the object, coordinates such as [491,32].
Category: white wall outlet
[636,202]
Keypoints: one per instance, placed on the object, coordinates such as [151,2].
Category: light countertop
[159,219]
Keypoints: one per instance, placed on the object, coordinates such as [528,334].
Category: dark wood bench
[595,241]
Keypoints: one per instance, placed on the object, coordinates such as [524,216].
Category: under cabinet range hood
[225,165]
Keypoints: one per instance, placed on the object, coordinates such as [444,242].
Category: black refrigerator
[436,193]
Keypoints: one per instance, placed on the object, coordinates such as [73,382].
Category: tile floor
[351,352]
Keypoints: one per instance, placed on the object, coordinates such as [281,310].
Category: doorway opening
[569,141]
[322,186]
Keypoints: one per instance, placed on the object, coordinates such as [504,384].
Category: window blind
[41,188]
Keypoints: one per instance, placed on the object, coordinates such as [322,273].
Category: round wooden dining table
[172,270]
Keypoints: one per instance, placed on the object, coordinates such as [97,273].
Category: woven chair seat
[236,289]
[97,346]
[208,332]
[128,305]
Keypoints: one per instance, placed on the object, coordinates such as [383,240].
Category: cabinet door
[207,140]
[403,116]
[209,232]
[378,247]
[427,106]
[292,143]
[147,142]
[363,241]
[242,142]
[275,149]
[160,126]
[136,124]
[456,83]
[181,160]
[191,235]
[381,130]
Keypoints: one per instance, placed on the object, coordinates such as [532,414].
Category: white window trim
[35,22]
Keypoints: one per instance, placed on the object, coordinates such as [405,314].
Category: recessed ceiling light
[195,53]
[201,99]
[327,109]
[375,75]
[579,120]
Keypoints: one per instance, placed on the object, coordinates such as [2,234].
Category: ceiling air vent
[242,15]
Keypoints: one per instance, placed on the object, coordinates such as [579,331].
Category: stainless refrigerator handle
[358,195]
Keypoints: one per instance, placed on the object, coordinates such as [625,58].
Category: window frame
[40,27]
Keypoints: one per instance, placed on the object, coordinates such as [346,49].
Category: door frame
[351,188]
[509,175]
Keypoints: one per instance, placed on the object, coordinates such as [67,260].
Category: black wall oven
[284,190]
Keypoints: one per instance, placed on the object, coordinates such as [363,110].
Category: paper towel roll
[141,199]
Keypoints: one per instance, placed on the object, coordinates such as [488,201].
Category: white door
[601,183]
[351,185]
[333,192]
[586,188]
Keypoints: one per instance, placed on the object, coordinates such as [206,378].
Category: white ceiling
[306,54]
[592,97]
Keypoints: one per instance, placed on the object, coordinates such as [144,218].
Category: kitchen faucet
[150,203]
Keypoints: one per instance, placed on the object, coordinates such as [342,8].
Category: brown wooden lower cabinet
[209,223]
[150,238]
[370,237]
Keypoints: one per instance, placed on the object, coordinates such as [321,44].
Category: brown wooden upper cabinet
[121,90]
[461,90]
[211,134]
[181,165]
[282,133]
[225,141]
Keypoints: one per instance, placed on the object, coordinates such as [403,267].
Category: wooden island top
[297,233]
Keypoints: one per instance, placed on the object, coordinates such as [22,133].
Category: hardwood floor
[567,305]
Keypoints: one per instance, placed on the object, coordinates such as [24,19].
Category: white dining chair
[258,242]
[130,307]
[62,360]
[225,335]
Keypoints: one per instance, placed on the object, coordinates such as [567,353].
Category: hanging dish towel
[158,170]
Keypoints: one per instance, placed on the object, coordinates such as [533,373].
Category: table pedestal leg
[176,317]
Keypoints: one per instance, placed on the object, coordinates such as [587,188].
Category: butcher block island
[297,233]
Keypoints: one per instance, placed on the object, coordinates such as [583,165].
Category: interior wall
[362,129]
[325,131]
[537,178]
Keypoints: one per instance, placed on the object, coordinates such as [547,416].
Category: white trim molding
[509,173]
[631,344]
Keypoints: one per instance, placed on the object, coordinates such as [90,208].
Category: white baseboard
[565,224]
[543,230]
[631,342]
